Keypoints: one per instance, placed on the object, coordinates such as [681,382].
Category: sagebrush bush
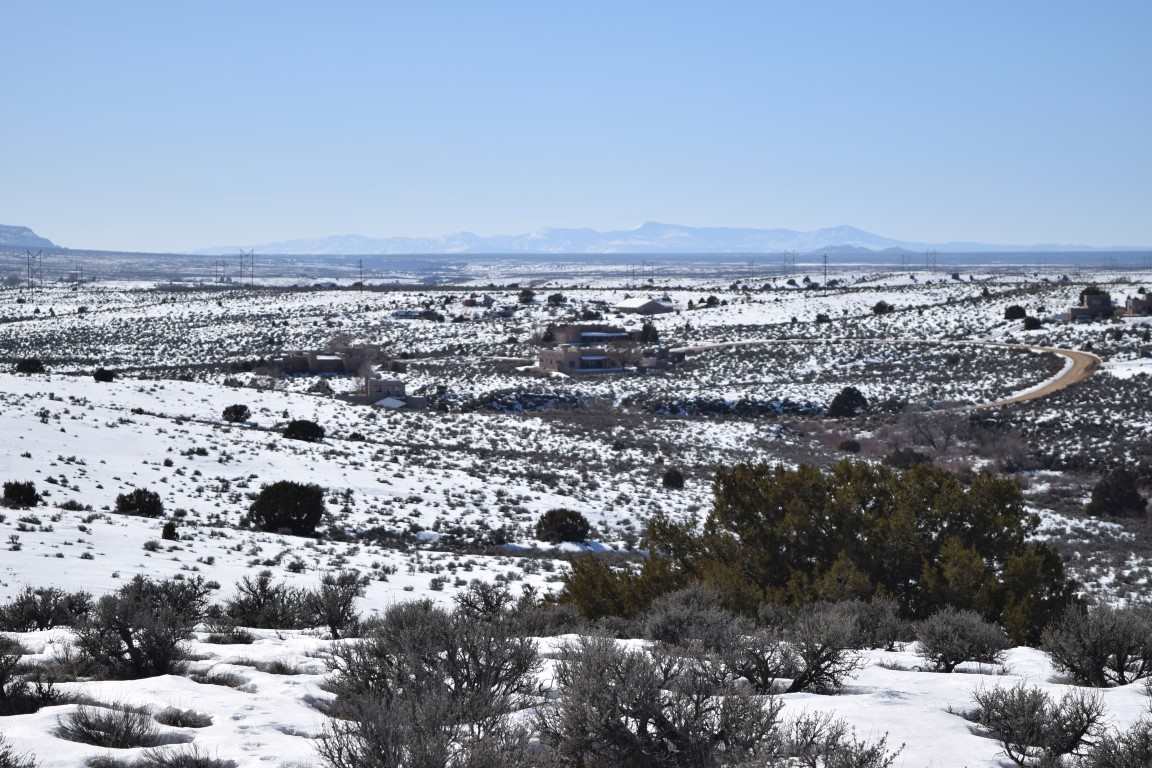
[617,706]
[950,637]
[815,740]
[183,718]
[622,707]
[140,630]
[1127,749]
[695,614]
[425,683]
[261,602]
[1033,728]
[333,603]
[823,639]
[185,757]
[40,608]
[113,727]
[1102,646]
[10,758]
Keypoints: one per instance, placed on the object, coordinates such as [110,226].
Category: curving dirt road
[1082,364]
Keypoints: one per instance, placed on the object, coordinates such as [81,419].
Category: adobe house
[1139,306]
[1095,304]
[339,360]
[584,333]
[577,360]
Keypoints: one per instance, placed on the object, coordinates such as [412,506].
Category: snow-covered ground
[269,720]
[457,492]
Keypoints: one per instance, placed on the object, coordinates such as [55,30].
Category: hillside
[22,237]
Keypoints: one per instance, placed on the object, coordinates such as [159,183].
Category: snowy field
[423,501]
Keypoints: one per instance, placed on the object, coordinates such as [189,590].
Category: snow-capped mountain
[651,237]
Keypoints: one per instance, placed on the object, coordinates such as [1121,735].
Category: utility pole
[361,275]
[825,270]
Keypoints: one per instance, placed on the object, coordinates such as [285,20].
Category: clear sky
[175,125]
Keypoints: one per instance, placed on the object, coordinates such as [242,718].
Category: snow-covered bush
[951,637]
[1102,646]
[823,639]
[10,758]
[816,740]
[140,630]
[184,757]
[1035,729]
[183,718]
[426,684]
[621,707]
[333,603]
[1127,749]
[40,608]
[261,602]
[692,614]
[115,727]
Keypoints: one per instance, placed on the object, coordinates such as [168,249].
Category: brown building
[585,333]
[576,360]
[1139,305]
[1095,304]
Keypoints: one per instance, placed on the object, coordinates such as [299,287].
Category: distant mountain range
[652,237]
[22,237]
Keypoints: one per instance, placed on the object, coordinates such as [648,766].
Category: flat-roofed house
[578,360]
[1095,304]
[586,333]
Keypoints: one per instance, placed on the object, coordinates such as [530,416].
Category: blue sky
[167,126]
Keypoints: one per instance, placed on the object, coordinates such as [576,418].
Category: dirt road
[1081,365]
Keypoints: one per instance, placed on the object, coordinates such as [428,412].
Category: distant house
[502,311]
[645,306]
[416,314]
[1139,306]
[579,360]
[340,359]
[1095,304]
[585,333]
